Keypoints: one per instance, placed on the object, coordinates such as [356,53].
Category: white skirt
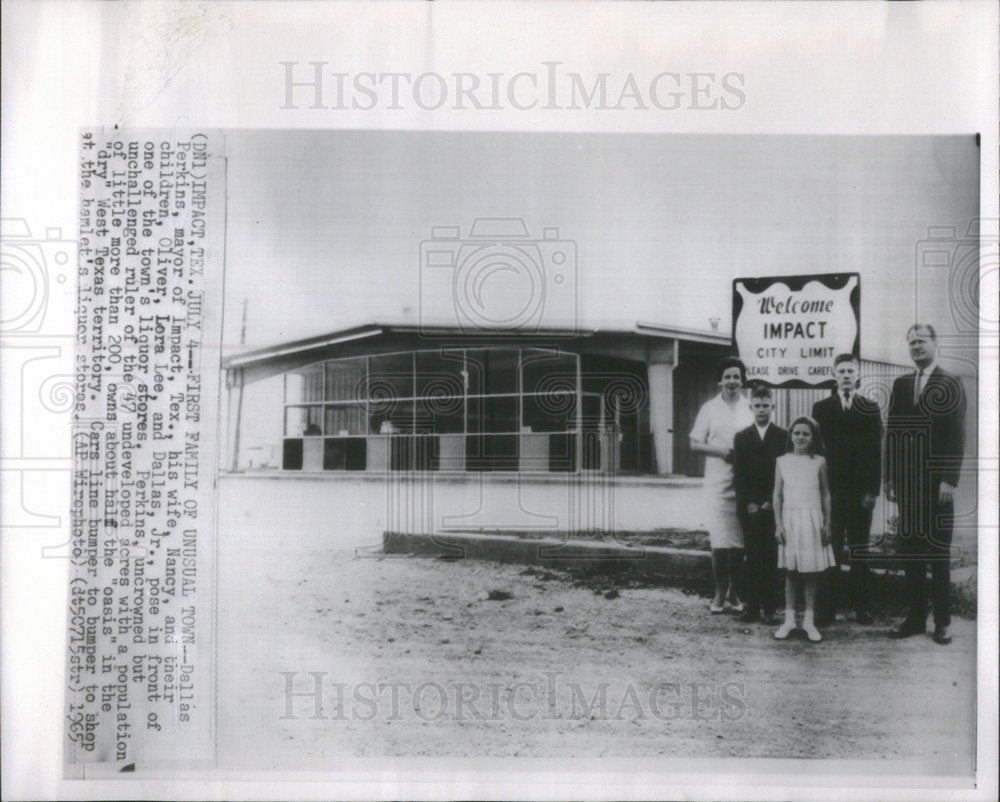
[724,530]
[804,551]
[719,500]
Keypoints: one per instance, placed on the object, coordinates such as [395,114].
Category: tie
[918,386]
[846,399]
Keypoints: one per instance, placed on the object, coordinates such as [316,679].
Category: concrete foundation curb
[684,568]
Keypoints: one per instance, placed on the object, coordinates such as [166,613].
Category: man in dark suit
[755,450]
[925,443]
[851,428]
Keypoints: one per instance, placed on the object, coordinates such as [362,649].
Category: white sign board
[788,329]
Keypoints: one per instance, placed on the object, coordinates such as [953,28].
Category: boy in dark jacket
[755,451]
[851,428]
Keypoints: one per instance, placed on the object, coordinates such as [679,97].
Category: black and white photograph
[493,500]
[436,400]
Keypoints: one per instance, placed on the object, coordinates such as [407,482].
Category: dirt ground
[411,657]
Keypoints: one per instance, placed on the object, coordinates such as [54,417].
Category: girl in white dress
[802,521]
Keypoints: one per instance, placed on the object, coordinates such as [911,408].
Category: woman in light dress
[718,421]
[802,521]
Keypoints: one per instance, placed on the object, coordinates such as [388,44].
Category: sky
[324,229]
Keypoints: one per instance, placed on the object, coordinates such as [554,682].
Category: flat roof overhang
[299,351]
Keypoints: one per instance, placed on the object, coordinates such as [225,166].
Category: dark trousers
[850,523]
[761,561]
[925,531]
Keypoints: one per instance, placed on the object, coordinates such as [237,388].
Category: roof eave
[642,328]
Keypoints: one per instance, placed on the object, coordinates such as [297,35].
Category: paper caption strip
[140,640]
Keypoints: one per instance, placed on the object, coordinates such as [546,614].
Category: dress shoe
[906,629]
[715,609]
[863,618]
[812,633]
[748,617]
[942,636]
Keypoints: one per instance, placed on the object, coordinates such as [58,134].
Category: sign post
[788,329]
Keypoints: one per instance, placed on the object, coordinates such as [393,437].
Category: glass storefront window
[390,376]
[399,419]
[547,371]
[474,409]
[345,379]
[553,412]
[344,419]
[440,373]
[492,371]
[303,421]
[493,415]
[441,415]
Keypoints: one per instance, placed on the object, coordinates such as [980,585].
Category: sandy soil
[412,657]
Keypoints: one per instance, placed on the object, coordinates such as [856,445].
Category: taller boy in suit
[755,451]
[851,428]
[925,442]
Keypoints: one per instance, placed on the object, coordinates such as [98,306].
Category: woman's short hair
[731,362]
[816,446]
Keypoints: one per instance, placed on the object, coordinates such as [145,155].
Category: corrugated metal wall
[876,384]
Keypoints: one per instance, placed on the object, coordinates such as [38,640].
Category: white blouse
[716,425]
